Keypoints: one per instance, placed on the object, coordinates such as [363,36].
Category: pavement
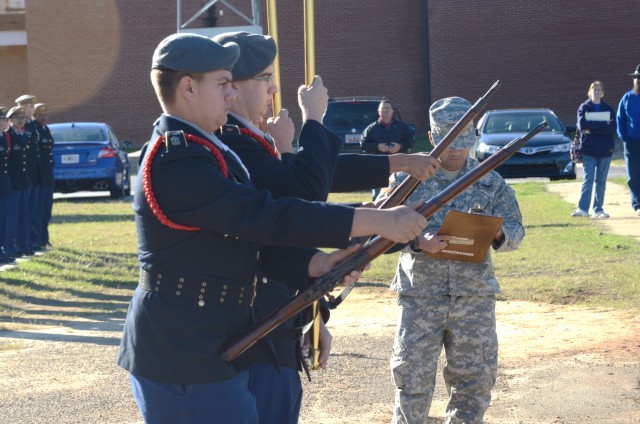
[617,203]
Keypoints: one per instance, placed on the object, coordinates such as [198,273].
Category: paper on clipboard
[597,116]
[474,234]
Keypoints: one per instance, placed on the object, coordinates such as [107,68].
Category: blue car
[89,157]
[545,155]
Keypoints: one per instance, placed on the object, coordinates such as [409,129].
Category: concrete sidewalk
[617,203]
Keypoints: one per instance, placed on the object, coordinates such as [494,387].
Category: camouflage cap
[193,53]
[3,111]
[16,111]
[26,99]
[40,108]
[444,114]
[257,52]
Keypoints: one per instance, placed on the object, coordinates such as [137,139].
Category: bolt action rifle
[400,194]
[371,250]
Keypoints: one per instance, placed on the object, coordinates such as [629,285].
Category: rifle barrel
[371,250]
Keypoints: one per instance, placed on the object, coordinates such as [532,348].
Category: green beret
[193,53]
[26,99]
[444,114]
[257,52]
[3,111]
[40,108]
[16,111]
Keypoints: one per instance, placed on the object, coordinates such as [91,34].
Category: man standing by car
[628,120]
[386,135]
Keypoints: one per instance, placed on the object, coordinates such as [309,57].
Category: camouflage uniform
[451,304]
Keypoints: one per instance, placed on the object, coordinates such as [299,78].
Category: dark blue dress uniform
[205,278]
[36,207]
[5,191]
[44,143]
[311,174]
[16,237]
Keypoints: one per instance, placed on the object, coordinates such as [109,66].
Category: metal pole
[310,73]
[309,43]
[272,28]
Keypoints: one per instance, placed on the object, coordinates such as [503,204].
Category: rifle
[371,250]
[400,194]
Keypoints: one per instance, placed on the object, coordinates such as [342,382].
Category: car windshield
[78,134]
[519,122]
[356,114]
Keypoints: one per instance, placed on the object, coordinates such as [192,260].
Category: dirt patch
[558,364]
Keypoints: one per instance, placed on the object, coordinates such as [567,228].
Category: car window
[114,140]
[518,122]
[357,114]
[77,134]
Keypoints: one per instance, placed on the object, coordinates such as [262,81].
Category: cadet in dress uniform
[17,229]
[36,211]
[44,143]
[450,303]
[5,184]
[202,235]
[310,174]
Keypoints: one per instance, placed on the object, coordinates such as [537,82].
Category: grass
[561,260]
[92,268]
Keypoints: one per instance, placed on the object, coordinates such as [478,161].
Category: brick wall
[90,60]
[545,53]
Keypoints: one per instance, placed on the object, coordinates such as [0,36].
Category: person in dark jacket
[204,233]
[44,144]
[310,174]
[36,206]
[386,135]
[17,229]
[628,122]
[5,184]
[597,126]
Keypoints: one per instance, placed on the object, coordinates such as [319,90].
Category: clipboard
[474,234]
[597,116]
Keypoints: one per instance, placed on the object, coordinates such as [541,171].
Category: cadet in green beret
[204,231]
[310,174]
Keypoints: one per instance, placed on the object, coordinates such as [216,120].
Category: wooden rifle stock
[371,250]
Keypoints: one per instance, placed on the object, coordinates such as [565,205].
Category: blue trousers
[36,211]
[229,401]
[595,171]
[4,203]
[278,393]
[47,201]
[632,163]
[17,224]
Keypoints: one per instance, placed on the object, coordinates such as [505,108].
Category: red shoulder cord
[268,147]
[146,178]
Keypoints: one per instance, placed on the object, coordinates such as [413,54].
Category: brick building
[90,59]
